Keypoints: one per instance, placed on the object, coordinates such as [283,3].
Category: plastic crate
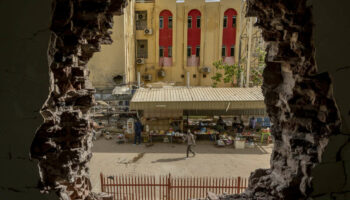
[239,144]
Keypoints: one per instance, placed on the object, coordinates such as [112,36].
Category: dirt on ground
[111,158]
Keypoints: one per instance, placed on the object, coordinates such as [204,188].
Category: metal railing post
[101,177]
[239,185]
[169,187]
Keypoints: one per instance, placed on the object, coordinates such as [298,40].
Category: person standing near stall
[221,125]
[252,123]
[241,126]
[138,130]
[235,124]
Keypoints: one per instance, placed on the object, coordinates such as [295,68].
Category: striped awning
[198,98]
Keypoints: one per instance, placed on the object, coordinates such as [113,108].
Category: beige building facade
[107,67]
[139,49]
[147,35]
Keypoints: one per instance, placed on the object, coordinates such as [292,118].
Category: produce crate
[239,144]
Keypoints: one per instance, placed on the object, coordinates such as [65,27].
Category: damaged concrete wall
[311,152]
[24,79]
[63,142]
[331,38]
[77,30]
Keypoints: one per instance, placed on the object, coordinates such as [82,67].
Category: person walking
[191,141]
[138,129]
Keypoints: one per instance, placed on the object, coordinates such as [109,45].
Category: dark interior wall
[332,42]
[24,85]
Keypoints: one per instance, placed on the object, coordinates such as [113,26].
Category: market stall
[197,109]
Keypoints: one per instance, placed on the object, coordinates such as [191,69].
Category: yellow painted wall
[110,61]
[211,39]
[129,37]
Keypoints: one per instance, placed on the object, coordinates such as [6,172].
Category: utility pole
[242,16]
[249,51]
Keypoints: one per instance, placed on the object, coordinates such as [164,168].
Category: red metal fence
[129,187]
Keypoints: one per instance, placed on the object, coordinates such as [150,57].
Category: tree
[256,75]
[230,73]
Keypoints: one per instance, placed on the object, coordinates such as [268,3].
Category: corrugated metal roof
[197,94]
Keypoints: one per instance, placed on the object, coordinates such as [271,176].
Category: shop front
[214,114]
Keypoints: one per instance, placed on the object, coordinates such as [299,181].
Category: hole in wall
[66,110]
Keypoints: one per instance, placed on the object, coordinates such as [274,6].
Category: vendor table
[210,135]
[163,135]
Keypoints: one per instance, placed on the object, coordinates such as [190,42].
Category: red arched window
[193,37]
[229,35]
[165,38]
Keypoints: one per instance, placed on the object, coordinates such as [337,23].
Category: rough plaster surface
[300,102]
[24,87]
[24,78]
[62,144]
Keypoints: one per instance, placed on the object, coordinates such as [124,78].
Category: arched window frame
[229,32]
[165,37]
[194,33]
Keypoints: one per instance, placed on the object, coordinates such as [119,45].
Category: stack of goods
[178,137]
[166,140]
[248,133]
[239,143]
[249,144]
[121,139]
[225,140]
[248,137]
[205,131]
[220,143]
[177,134]
[211,131]
[108,136]
[171,132]
[154,132]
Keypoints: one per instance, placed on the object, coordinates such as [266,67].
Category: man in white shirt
[191,141]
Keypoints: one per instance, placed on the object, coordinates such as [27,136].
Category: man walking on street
[190,143]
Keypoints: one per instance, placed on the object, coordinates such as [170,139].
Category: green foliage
[262,54]
[230,73]
[256,74]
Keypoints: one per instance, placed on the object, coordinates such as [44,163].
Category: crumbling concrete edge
[62,144]
[299,102]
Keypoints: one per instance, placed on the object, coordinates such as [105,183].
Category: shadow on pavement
[202,147]
[169,160]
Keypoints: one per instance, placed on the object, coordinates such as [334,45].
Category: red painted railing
[129,187]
